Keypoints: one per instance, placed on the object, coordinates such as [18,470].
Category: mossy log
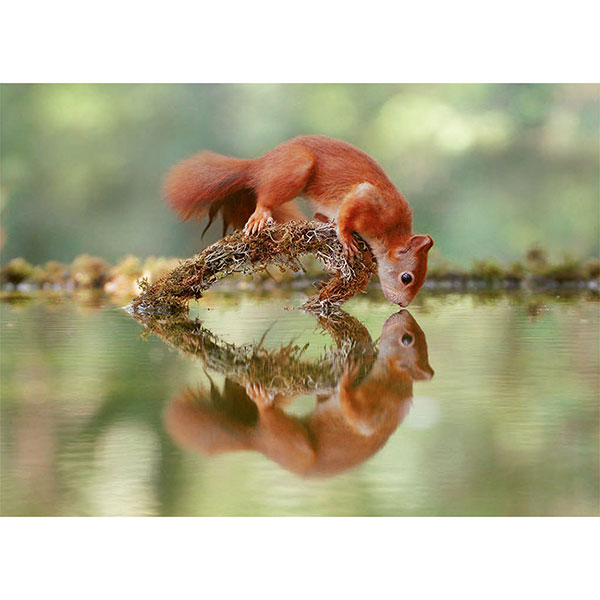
[280,245]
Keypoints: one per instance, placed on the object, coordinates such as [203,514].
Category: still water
[463,406]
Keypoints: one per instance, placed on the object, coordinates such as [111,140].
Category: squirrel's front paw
[257,221]
[260,395]
[351,373]
[350,248]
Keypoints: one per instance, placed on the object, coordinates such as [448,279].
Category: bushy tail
[209,183]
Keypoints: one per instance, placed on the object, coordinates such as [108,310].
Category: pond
[463,405]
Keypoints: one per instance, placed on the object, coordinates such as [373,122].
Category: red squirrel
[342,183]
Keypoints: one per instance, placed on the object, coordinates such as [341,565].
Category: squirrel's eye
[407,339]
[406,278]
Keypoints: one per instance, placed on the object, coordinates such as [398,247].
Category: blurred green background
[489,168]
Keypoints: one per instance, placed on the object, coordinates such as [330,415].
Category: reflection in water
[363,392]
[506,427]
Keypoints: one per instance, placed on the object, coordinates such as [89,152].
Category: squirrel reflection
[365,398]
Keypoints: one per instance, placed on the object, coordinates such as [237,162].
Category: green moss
[487,270]
[89,271]
[591,268]
[569,269]
[129,267]
[515,271]
[536,258]
[52,273]
[17,271]
[441,269]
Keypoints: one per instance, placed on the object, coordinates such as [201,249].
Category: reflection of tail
[212,422]
[234,403]
[230,421]
[209,183]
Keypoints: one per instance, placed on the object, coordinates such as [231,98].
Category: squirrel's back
[338,166]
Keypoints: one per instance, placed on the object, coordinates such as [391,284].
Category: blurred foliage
[89,271]
[86,272]
[53,273]
[489,168]
[17,271]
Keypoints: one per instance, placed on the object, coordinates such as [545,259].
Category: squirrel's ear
[420,243]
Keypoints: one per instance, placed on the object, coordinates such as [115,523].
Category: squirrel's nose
[428,373]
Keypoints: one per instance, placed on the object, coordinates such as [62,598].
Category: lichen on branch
[280,245]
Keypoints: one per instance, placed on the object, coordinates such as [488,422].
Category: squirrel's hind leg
[281,177]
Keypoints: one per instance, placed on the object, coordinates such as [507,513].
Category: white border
[304,41]
[299,558]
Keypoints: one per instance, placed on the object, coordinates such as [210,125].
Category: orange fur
[342,183]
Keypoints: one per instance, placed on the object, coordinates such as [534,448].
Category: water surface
[463,406]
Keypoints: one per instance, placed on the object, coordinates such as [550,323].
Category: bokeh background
[490,169]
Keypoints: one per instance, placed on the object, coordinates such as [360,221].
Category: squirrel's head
[402,269]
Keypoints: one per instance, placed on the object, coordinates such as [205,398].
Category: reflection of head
[403,341]
[383,398]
